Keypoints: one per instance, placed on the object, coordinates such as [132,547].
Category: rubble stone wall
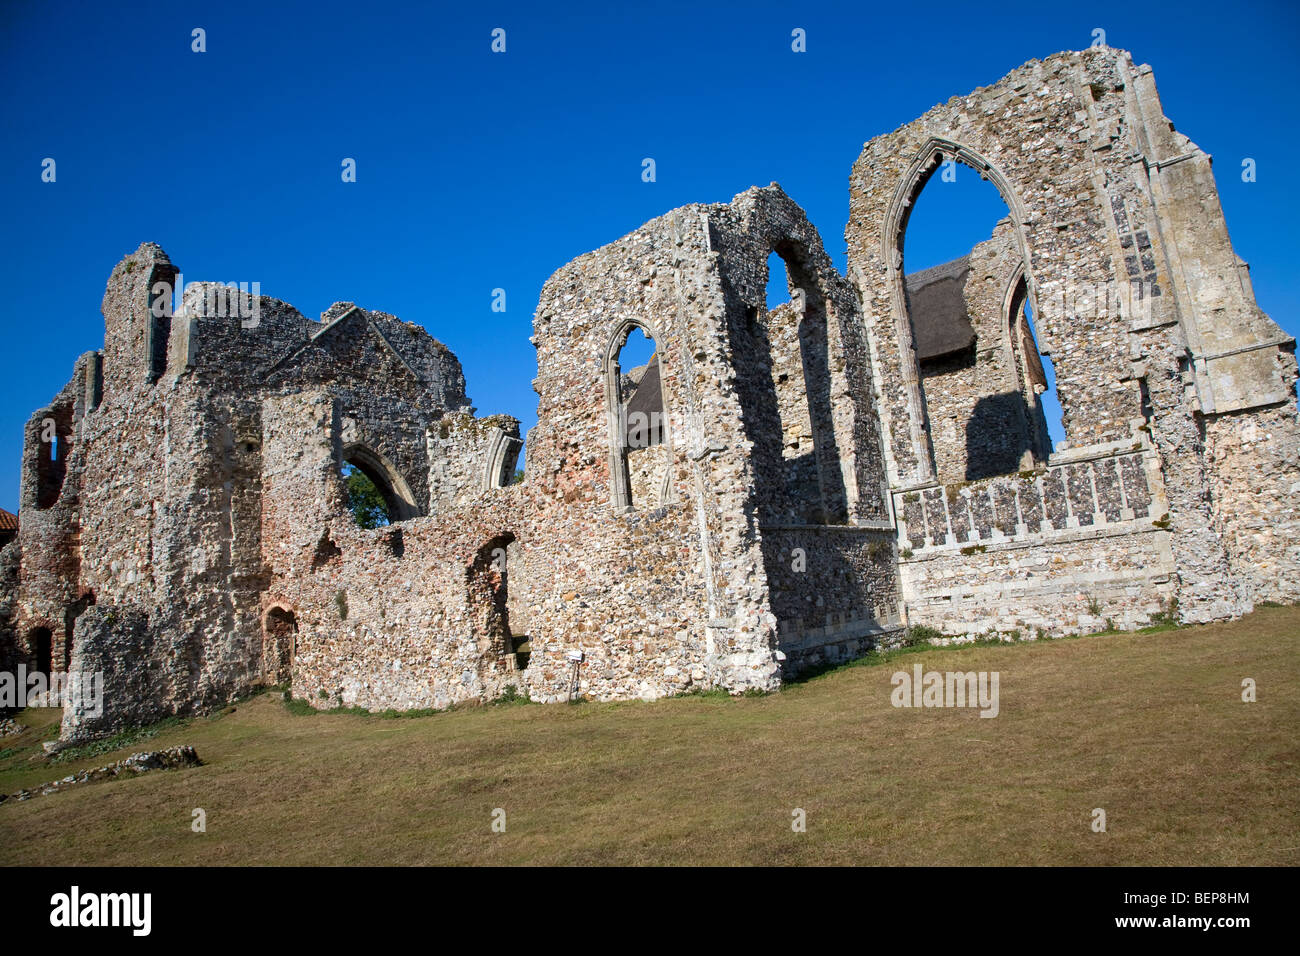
[468,455]
[1079,545]
[1257,497]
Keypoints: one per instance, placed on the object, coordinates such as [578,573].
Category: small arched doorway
[498,591]
[279,645]
[41,642]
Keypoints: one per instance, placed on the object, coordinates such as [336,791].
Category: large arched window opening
[812,489]
[376,494]
[978,389]
[639,459]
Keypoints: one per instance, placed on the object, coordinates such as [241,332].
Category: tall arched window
[812,486]
[639,459]
[979,372]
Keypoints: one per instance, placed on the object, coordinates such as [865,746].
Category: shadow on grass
[919,638]
[301,707]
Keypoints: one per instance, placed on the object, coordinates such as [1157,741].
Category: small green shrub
[920,634]
[510,695]
[1167,616]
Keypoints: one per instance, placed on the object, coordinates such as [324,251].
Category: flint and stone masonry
[815,477]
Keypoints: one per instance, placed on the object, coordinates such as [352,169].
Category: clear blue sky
[478,171]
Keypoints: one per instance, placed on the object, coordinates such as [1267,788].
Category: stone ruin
[776,489]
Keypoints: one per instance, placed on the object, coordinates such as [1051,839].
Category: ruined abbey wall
[1147,315]
[150,501]
[817,475]
[659,584]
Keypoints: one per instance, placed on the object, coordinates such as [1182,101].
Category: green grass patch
[1149,726]
[301,708]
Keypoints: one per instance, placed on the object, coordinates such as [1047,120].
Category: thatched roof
[937,302]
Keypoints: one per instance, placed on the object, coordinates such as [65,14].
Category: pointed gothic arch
[926,162]
[621,493]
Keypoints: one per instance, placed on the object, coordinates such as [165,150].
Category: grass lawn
[1150,727]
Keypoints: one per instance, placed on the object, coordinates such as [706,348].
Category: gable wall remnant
[1138,299]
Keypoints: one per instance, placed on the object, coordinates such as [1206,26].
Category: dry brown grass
[1150,727]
